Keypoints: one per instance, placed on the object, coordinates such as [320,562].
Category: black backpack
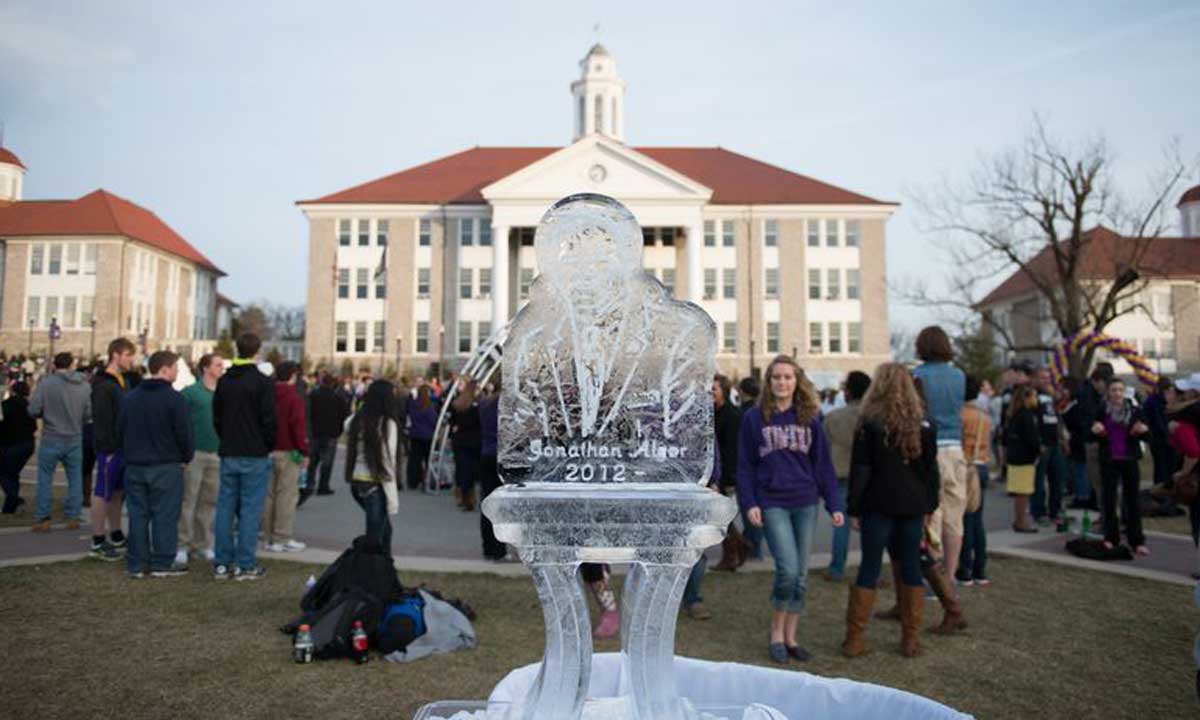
[364,566]
[332,625]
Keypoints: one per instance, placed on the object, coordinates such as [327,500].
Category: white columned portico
[500,252]
[695,274]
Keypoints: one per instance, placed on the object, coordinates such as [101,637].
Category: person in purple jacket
[422,419]
[784,471]
[489,472]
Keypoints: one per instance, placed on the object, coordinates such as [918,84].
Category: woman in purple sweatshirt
[784,470]
[422,418]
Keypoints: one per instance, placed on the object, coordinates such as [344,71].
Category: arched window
[598,121]
[612,118]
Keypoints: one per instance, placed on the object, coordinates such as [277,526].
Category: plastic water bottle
[302,650]
[358,642]
[1086,526]
[308,584]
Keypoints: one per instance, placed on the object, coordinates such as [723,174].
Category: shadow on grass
[1045,640]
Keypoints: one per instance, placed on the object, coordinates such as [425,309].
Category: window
[526,281]
[710,283]
[710,233]
[36,254]
[667,236]
[771,284]
[485,233]
[423,282]
[729,337]
[814,233]
[727,233]
[831,233]
[364,234]
[51,310]
[85,311]
[814,284]
[377,338]
[466,232]
[485,282]
[835,337]
[360,336]
[526,235]
[464,337]
[815,345]
[380,286]
[381,233]
[55,266]
[343,279]
[853,233]
[833,290]
[33,310]
[648,237]
[344,233]
[729,283]
[341,337]
[466,278]
[773,337]
[771,233]
[73,259]
[361,277]
[485,330]
[669,280]
[1168,347]
[425,233]
[422,337]
[68,311]
[89,258]
[598,116]
[853,282]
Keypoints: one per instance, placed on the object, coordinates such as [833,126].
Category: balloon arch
[1075,344]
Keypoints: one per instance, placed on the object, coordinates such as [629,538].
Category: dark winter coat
[244,412]
[882,481]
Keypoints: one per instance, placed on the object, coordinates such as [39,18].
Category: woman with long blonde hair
[784,470]
[894,488]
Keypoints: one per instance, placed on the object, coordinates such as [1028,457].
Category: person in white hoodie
[372,439]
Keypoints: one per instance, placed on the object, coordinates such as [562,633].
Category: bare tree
[1050,213]
[252,319]
[286,321]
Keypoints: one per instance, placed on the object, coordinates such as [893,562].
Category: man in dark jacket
[244,416]
[107,388]
[154,434]
[329,413]
[727,420]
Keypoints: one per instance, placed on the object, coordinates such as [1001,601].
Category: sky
[219,116]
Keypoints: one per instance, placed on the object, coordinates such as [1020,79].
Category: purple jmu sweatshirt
[785,464]
[422,421]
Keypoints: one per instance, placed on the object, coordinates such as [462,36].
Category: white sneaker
[293,546]
[273,547]
[209,555]
[181,557]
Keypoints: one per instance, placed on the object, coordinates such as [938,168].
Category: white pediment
[600,165]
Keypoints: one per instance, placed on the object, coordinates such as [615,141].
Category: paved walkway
[431,535]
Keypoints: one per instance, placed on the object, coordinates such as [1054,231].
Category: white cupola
[12,176]
[599,96]
[1189,212]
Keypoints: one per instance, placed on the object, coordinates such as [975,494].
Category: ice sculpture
[606,439]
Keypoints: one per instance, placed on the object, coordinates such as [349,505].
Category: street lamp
[399,345]
[55,333]
[32,322]
[92,351]
[144,339]
[441,350]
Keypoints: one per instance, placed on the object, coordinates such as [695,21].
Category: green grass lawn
[1045,641]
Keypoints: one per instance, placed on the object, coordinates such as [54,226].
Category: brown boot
[732,555]
[458,496]
[953,620]
[894,613]
[468,502]
[912,608]
[858,614]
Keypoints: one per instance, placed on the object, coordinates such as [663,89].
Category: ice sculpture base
[594,709]
[660,529]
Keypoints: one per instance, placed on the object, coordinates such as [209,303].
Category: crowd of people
[217,469]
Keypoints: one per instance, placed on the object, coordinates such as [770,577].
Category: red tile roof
[8,156]
[1192,195]
[1103,256]
[97,213]
[735,179]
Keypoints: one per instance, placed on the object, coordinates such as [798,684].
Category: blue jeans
[901,536]
[1052,471]
[153,495]
[1083,486]
[244,482]
[972,559]
[691,592]
[789,533]
[371,498]
[841,537]
[50,454]
[752,535]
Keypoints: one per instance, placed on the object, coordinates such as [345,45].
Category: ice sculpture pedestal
[660,529]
